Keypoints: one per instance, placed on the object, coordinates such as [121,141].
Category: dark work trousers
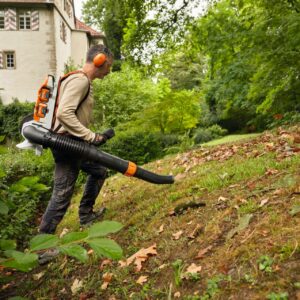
[67,168]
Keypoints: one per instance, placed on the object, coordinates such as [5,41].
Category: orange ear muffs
[99,60]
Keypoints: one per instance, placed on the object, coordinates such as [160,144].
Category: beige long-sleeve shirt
[72,91]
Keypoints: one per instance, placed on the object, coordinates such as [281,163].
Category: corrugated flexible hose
[90,152]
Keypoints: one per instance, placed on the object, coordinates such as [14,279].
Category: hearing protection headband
[100,58]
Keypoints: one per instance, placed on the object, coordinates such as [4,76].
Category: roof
[28,1]
[82,26]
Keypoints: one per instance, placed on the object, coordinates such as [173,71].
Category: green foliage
[119,95]
[265,263]
[68,245]
[278,296]
[178,268]
[138,146]
[203,135]
[171,111]
[104,228]
[20,200]
[213,286]
[21,196]
[250,72]
[10,117]
[71,66]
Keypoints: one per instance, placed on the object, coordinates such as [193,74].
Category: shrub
[203,135]
[24,179]
[10,117]
[140,147]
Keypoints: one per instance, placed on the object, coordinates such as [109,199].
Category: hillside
[234,212]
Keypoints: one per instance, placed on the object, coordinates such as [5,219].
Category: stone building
[38,38]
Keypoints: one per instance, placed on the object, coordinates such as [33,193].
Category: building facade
[38,38]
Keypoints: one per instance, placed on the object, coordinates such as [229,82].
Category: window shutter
[10,19]
[1,60]
[35,20]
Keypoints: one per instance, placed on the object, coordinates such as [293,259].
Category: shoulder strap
[57,97]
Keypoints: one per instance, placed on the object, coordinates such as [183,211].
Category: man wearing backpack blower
[73,114]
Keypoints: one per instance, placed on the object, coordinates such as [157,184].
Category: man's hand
[101,138]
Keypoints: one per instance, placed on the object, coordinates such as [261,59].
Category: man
[73,115]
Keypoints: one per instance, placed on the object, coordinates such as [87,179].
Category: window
[9,60]
[25,20]
[2,26]
[68,8]
[63,31]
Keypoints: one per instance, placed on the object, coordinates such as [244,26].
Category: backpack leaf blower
[38,134]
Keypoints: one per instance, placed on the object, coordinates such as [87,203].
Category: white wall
[35,58]
[80,46]
[63,50]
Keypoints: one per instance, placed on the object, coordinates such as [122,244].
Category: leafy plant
[70,244]
[278,296]
[265,263]
[178,268]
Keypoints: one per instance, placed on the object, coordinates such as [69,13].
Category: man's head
[98,61]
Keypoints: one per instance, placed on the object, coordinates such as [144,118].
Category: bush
[203,135]
[10,117]
[25,193]
[139,147]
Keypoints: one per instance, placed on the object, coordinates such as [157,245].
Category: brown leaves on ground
[76,286]
[196,231]
[193,269]
[283,143]
[202,252]
[142,279]
[105,263]
[107,277]
[161,229]
[139,257]
[177,235]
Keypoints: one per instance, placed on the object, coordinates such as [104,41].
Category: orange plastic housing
[41,107]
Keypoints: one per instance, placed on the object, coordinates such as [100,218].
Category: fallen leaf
[177,295]
[222,199]
[263,202]
[202,252]
[105,262]
[271,172]
[243,223]
[177,235]
[107,277]
[38,275]
[139,257]
[64,232]
[162,266]
[142,279]
[83,296]
[197,230]
[76,286]
[189,223]
[161,229]
[192,269]
[179,177]
[295,209]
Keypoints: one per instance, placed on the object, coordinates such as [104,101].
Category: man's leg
[96,177]
[65,175]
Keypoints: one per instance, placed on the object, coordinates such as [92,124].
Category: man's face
[104,69]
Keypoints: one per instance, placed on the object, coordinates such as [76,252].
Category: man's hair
[94,50]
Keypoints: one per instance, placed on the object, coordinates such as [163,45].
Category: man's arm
[74,91]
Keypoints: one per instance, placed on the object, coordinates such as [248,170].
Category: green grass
[231,138]
[144,207]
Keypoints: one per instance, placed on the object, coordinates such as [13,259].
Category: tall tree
[140,28]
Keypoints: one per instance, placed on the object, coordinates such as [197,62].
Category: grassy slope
[256,178]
